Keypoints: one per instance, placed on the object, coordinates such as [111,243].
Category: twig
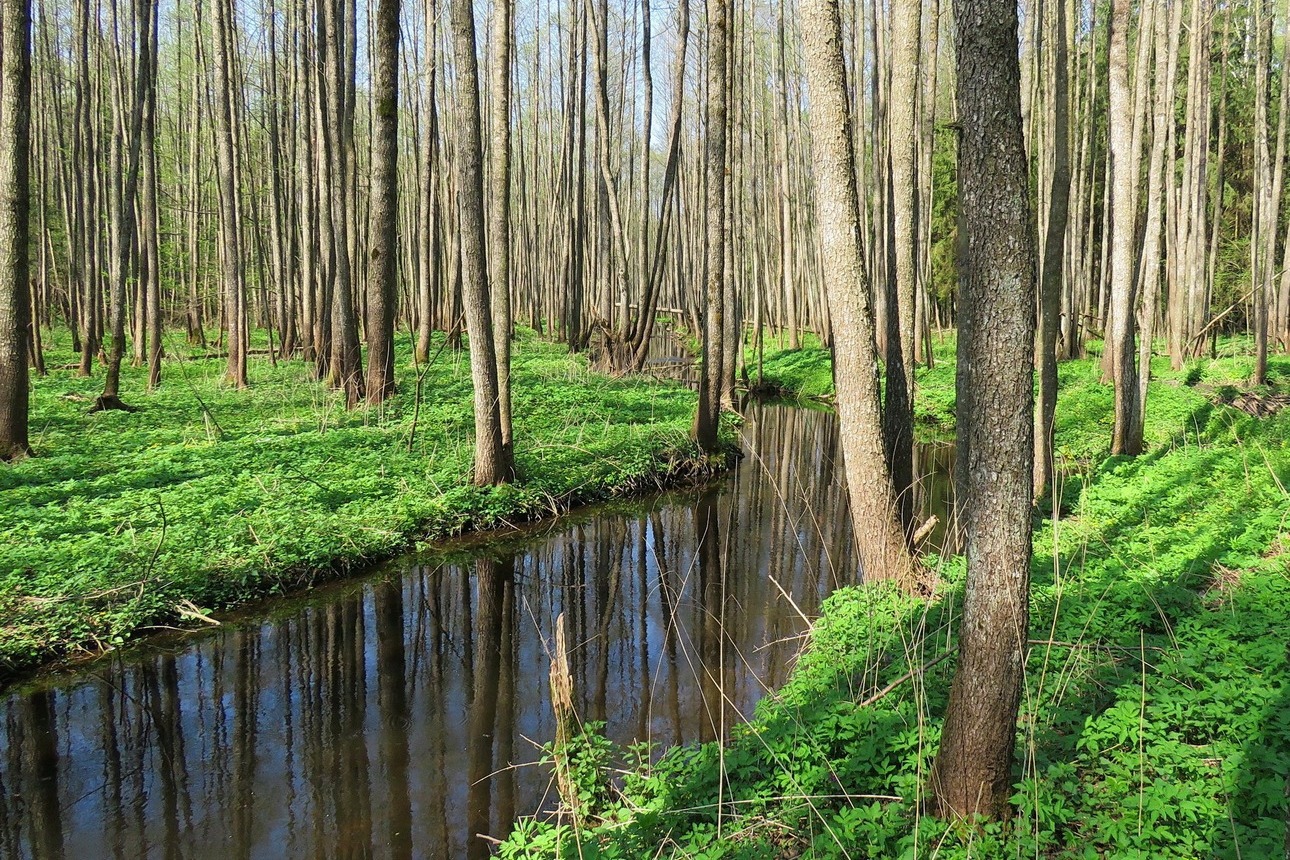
[421,375]
[147,571]
[887,690]
[1127,648]
[1201,334]
[206,410]
[188,609]
[925,529]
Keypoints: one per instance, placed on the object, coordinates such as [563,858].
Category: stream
[400,713]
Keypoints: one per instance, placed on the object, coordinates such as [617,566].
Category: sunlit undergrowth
[207,496]
[1156,715]
[807,372]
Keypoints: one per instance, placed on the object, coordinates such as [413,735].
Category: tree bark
[429,249]
[972,772]
[499,206]
[230,241]
[383,249]
[15,307]
[1127,438]
[1263,226]
[898,418]
[1053,266]
[150,219]
[707,418]
[1149,264]
[879,537]
[492,460]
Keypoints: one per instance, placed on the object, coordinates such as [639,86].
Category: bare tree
[499,205]
[1127,437]
[383,249]
[126,144]
[15,309]
[879,536]
[972,772]
[707,418]
[493,463]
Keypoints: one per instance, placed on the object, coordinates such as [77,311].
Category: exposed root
[11,452]
[110,402]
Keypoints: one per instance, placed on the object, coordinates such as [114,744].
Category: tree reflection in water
[400,715]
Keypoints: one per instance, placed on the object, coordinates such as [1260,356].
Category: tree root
[110,402]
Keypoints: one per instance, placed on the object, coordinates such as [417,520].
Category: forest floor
[208,497]
[1156,712]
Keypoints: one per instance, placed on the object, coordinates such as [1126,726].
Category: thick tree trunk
[972,772]
[492,461]
[383,250]
[879,537]
[15,307]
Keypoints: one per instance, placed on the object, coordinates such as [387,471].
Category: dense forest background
[132,102]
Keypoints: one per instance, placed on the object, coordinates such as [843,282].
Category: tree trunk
[1127,438]
[879,537]
[1263,226]
[383,250]
[1149,265]
[707,418]
[345,362]
[972,772]
[1050,282]
[15,307]
[125,190]
[902,124]
[499,206]
[428,234]
[492,461]
[230,242]
[654,283]
[150,220]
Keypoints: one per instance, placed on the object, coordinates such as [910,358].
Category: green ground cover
[1156,715]
[807,373]
[207,497]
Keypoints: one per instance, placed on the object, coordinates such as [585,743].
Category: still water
[401,714]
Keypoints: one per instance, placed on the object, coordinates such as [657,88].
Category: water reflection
[400,716]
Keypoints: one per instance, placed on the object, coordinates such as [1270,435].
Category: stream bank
[209,498]
[400,713]
[1154,720]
